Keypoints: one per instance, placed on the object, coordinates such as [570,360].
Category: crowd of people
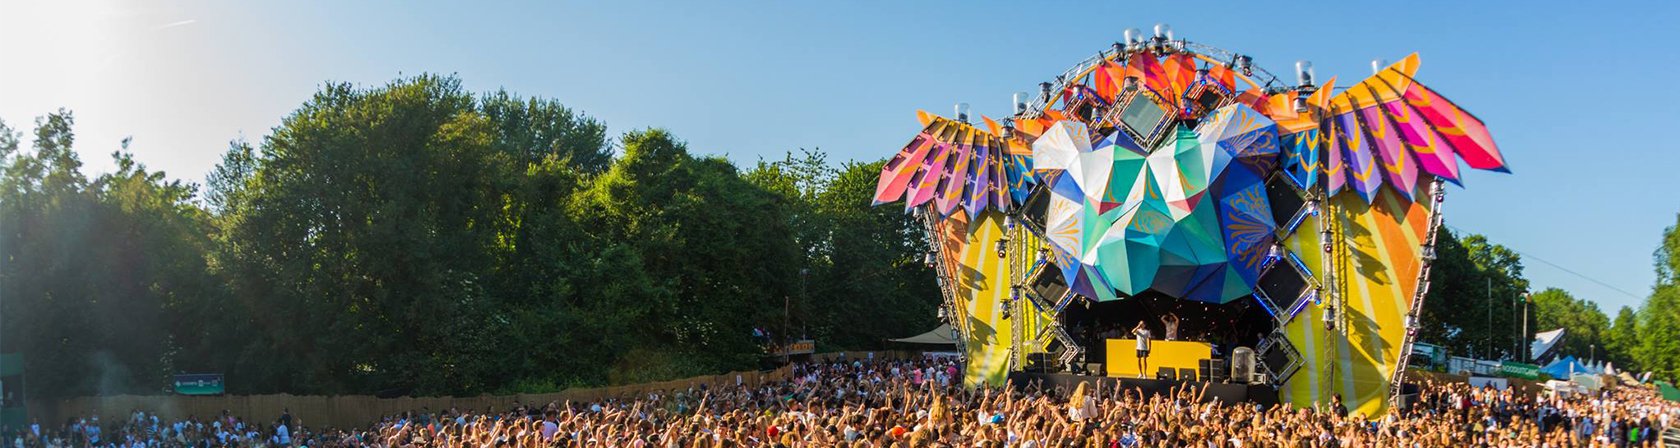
[144,430]
[920,403]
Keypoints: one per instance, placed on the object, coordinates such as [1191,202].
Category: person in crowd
[878,403]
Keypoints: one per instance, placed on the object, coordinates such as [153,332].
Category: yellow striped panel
[1376,274]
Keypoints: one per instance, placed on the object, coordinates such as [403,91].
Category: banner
[199,384]
[1519,370]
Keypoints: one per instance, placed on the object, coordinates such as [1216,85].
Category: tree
[1659,332]
[107,266]
[1659,318]
[1472,307]
[1585,327]
[364,248]
[1623,341]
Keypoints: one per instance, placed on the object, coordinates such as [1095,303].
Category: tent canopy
[938,336]
[1562,368]
[1544,342]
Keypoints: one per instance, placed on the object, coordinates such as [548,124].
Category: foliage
[418,238]
[1474,300]
[1659,317]
[1586,329]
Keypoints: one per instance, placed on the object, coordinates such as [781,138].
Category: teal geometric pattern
[1187,218]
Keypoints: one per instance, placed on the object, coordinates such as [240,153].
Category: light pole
[1490,318]
[804,322]
[1524,340]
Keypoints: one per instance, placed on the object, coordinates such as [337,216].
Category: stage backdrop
[1376,272]
[980,280]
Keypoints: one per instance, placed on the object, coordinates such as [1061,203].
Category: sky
[1570,90]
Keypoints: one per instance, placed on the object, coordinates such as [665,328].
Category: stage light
[1129,85]
[1163,32]
[1304,73]
[1003,247]
[1377,65]
[1246,64]
[1044,90]
[929,259]
[962,112]
[1119,52]
[1021,101]
[1275,252]
[1133,36]
[1301,103]
[1330,317]
[1043,252]
[1008,128]
[1324,238]
[1428,251]
[1312,207]
[942,312]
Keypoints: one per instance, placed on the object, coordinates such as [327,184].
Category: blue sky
[1575,93]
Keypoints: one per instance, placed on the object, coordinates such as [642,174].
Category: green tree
[364,248]
[1585,327]
[1474,299]
[1623,340]
[98,274]
[1659,318]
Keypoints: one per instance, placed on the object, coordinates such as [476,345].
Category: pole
[1525,346]
[785,326]
[804,321]
[1490,318]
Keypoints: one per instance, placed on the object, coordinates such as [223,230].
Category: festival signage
[802,347]
[199,384]
[1519,370]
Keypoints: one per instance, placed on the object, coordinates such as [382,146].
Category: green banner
[1519,370]
[199,384]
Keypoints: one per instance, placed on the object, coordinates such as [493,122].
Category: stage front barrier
[1122,356]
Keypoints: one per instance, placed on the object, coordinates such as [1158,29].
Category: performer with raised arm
[1141,332]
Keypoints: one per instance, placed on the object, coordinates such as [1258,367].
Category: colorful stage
[1181,179]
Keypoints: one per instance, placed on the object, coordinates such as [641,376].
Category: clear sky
[1579,95]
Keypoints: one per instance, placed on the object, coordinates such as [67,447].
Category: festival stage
[1170,181]
[1225,392]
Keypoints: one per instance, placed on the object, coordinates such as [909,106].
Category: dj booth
[1168,360]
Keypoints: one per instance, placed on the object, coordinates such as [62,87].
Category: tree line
[418,238]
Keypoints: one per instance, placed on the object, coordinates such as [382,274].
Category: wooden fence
[348,411]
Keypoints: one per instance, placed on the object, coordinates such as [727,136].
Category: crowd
[920,403]
[141,429]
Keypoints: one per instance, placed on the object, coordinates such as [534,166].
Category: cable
[1559,267]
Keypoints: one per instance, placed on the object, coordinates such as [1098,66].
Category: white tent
[1544,342]
[941,335]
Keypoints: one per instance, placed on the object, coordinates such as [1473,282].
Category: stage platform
[1122,356]
[1226,392]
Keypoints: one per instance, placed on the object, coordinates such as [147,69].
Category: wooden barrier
[352,411]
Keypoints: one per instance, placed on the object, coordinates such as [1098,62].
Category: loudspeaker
[1218,371]
[1203,366]
[1095,368]
[1187,374]
[1039,362]
[1166,373]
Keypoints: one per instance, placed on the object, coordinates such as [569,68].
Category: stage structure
[1166,175]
